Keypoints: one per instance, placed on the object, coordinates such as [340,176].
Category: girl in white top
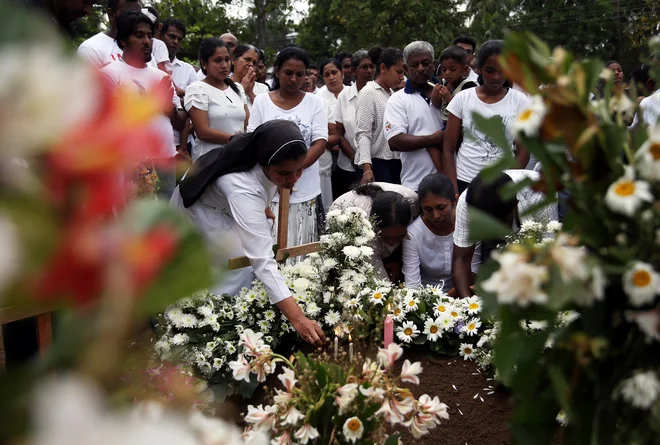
[492,98]
[334,85]
[226,194]
[308,111]
[215,105]
[428,249]
[244,72]
[393,207]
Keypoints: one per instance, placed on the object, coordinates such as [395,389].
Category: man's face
[314,75]
[420,68]
[140,42]
[123,6]
[232,43]
[172,38]
[347,71]
[469,49]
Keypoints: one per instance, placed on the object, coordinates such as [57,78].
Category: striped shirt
[369,136]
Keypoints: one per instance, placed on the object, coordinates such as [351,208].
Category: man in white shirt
[470,46]
[412,125]
[159,55]
[485,196]
[173,31]
[133,72]
[101,49]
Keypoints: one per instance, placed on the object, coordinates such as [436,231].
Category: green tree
[86,27]
[489,19]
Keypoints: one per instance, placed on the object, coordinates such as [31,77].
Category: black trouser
[343,181]
[386,170]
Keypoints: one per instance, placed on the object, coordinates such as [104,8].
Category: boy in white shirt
[134,36]
[101,49]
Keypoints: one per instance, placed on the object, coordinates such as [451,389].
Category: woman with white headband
[227,193]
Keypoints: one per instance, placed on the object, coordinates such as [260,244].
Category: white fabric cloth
[201,75]
[427,258]
[311,117]
[231,215]
[259,88]
[183,74]
[325,161]
[527,198]
[650,109]
[477,150]
[225,108]
[159,52]
[345,115]
[100,50]
[474,77]
[143,80]
[410,114]
[369,114]
[381,250]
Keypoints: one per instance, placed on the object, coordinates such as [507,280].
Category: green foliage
[86,27]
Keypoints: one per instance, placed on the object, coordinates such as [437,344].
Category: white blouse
[233,207]
[427,257]
[226,110]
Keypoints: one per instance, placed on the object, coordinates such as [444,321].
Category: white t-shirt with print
[477,150]
[311,117]
[410,114]
[143,80]
[225,108]
[100,50]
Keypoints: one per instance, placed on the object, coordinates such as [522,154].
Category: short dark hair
[466,40]
[436,184]
[386,56]
[114,4]
[388,208]
[485,196]
[343,55]
[312,66]
[176,23]
[127,24]
[456,53]
[262,56]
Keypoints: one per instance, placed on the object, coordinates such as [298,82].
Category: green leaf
[392,440]
[246,389]
[562,388]
[485,227]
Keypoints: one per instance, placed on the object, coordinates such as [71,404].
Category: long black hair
[386,56]
[288,53]
[389,208]
[206,50]
[489,49]
[436,184]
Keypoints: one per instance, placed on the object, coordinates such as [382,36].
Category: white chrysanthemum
[553,226]
[626,195]
[529,120]
[333,214]
[269,315]
[472,326]
[264,325]
[433,329]
[648,157]
[174,315]
[530,226]
[188,321]
[571,262]
[537,325]
[230,348]
[218,363]
[473,305]
[162,346]
[353,429]
[352,252]
[410,303]
[407,332]
[517,281]
[362,240]
[467,351]
[366,251]
[641,283]
[332,318]
[179,339]
[562,418]
[641,390]
[300,285]
[329,264]
[447,321]
[312,309]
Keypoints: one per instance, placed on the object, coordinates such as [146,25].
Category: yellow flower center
[474,306]
[397,311]
[454,314]
[467,351]
[471,327]
[441,308]
[433,329]
[641,278]
[655,151]
[378,296]
[408,331]
[411,303]
[525,115]
[354,425]
[625,188]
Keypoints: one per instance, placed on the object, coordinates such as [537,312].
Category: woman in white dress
[308,111]
[226,193]
[244,69]
[393,207]
[216,105]
[428,248]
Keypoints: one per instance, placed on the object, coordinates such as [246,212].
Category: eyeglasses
[368,67]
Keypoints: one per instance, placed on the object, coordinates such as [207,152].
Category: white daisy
[440,308]
[218,363]
[353,429]
[398,314]
[626,195]
[407,332]
[454,312]
[641,283]
[472,326]
[179,339]
[410,303]
[467,351]
[332,318]
[473,305]
[377,297]
[648,157]
[312,309]
[230,348]
[641,390]
[433,329]
[529,121]
[269,315]
[447,321]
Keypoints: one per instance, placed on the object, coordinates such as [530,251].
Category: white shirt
[311,117]
[345,115]
[477,150]
[234,206]
[369,117]
[474,77]
[183,74]
[159,53]
[527,198]
[143,80]
[100,50]
[650,110]
[381,250]
[427,257]
[410,114]
[259,88]
[225,108]
[325,161]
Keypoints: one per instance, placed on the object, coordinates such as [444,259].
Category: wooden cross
[283,252]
